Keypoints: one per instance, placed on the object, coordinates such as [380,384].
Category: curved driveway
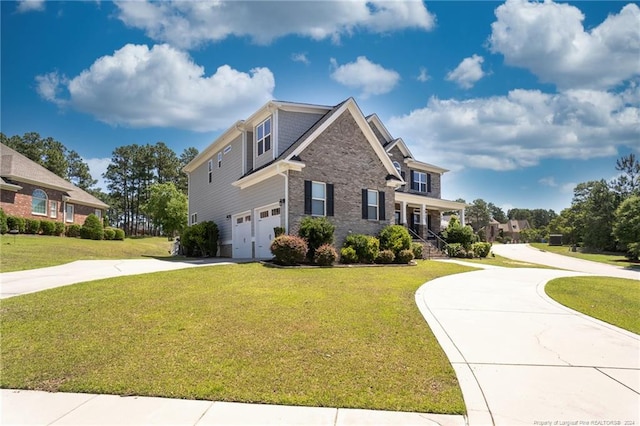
[522,358]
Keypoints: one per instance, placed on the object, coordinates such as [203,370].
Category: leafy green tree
[568,223]
[628,183]
[596,204]
[626,227]
[478,214]
[456,233]
[520,214]
[167,207]
[185,158]
[497,213]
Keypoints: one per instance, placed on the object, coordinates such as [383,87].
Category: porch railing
[429,245]
[439,242]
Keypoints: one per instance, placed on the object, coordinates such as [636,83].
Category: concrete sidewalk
[522,358]
[43,408]
[33,280]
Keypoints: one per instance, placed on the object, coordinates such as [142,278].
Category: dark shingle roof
[18,168]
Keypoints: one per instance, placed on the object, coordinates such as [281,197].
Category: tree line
[146,187]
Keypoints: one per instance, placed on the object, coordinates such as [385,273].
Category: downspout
[286,198]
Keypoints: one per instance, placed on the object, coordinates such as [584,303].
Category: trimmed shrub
[200,239]
[14,222]
[395,238]
[3,223]
[47,227]
[119,234]
[109,234]
[92,228]
[325,255]
[417,249]
[73,231]
[404,256]
[32,226]
[289,249]
[454,249]
[366,247]
[481,249]
[457,233]
[59,228]
[348,255]
[385,257]
[278,230]
[317,231]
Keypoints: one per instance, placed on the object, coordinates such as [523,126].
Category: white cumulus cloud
[550,40]
[366,76]
[30,6]
[423,76]
[188,24]
[300,57]
[548,181]
[468,72]
[520,129]
[160,87]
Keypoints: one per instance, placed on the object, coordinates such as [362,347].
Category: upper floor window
[318,198]
[194,218]
[219,159]
[210,165]
[263,136]
[39,202]
[420,181]
[397,166]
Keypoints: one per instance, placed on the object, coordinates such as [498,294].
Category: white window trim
[46,203]
[419,182]
[376,205]
[324,199]
[194,218]
[219,159]
[98,213]
[264,136]
[53,212]
[210,168]
[69,217]
[397,166]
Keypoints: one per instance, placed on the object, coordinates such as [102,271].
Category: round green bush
[481,249]
[47,227]
[417,250]
[289,249]
[119,235]
[385,257]
[92,228]
[348,255]
[316,231]
[365,246]
[405,256]
[325,255]
[59,228]
[73,231]
[32,226]
[109,234]
[453,249]
[395,238]
[16,223]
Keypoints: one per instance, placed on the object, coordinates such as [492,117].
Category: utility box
[555,239]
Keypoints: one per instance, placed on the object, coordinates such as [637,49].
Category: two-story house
[291,160]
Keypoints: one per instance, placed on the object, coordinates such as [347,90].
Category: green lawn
[616,259]
[502,261]
[38,251]
[341,337]
[613,300]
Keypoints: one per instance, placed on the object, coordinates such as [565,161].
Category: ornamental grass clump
[289,250]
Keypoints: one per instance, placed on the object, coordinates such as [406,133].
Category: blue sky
[520,100]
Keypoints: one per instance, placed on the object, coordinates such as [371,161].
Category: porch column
[403,212]
[423,214]
[462,217]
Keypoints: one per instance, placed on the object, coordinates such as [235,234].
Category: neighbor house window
[263,136]
[373,205]
[194,218]
[39,202]
[318,198]
[98,213]
[210,165]
[69,213]
[53,209]
[219,159]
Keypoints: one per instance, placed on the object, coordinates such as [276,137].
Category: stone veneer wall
[342,156]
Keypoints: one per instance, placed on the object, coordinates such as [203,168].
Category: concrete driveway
[30,281]
[522,358]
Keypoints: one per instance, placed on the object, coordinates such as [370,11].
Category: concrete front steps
[430,251]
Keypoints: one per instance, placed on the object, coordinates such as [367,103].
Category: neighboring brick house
[512,229]
[290,160]
[29,190]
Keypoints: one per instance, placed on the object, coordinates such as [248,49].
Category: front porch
[422,215]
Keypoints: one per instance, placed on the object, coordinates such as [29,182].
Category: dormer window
[397,166]
[263,136]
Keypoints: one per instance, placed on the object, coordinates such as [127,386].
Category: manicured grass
[504,262]
[613,300]
[38,251]
[616,259]
[341,337]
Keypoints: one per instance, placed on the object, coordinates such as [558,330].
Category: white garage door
[242,236]
[267,219]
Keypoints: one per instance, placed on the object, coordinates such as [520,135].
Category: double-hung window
[263,136]
[69,213]
[219,159]
[39,202]
[210,165]
[318,198]
[373,207]
[420,181]
[53,209]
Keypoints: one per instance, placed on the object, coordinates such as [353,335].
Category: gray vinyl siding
[219,199]
[292,125]
[249,151]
